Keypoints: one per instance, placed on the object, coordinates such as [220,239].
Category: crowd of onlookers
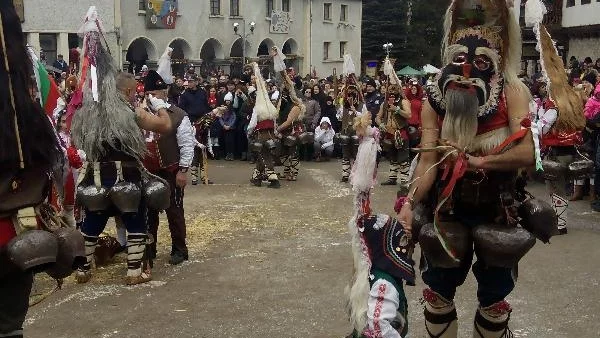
[198,95]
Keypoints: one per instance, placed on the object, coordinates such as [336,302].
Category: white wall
[63,17]
[581,15]
[584,47]
[335,31]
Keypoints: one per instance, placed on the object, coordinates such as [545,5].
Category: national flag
[48,89]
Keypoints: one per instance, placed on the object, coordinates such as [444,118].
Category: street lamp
[243,35]
[388,46]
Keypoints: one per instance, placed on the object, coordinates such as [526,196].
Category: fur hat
[153,81]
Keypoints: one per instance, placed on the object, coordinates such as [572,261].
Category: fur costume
[381,252]
[104,121]
[474,210]
[261,131]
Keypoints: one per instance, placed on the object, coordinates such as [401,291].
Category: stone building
[574,26]
[314,34]
[581,24]
[52,26]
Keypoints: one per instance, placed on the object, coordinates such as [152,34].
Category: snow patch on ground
[332,187]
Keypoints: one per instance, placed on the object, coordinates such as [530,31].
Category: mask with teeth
[472,65]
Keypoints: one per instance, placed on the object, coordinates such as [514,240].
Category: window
[234,8]
[270,7]
[343,48]
[285,5]
[570,3]
[48,45]
[585,2]
[343,12]
[142,5]
[326,50]
[215,7]
[327,11]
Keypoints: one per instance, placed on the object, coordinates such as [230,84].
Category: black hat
[591,78]
[372,83]
[153,81]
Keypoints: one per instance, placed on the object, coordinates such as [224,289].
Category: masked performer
[202,132]
[261,133]
[560,122]
[350,106]
[291,113]
[107,129]
[382,252]
[475,126]
[29,151]
[392,120]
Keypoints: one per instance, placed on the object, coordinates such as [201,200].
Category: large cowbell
[71,253]
[539,218]
[157,192]
[93,197]
[457,237]
[501,246]
[33,250]
[126,196]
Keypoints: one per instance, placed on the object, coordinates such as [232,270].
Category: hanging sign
[161,14]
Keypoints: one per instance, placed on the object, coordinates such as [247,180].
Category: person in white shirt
[323,144]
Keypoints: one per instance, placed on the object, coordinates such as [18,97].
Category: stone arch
[264,47]
[181,49]
[290,46]
[139,51]
[142,45]
[211,49]
[237,50]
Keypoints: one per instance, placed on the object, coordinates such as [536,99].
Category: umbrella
[429,69]
[408,71]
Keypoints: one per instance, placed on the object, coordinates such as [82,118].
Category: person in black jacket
[373,99]
[194,100]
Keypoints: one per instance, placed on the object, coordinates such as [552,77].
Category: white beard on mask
[460,122]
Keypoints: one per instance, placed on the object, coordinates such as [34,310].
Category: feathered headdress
[264,108]
[570,109]
[104,121]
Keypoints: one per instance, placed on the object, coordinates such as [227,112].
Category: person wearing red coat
[414,93]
